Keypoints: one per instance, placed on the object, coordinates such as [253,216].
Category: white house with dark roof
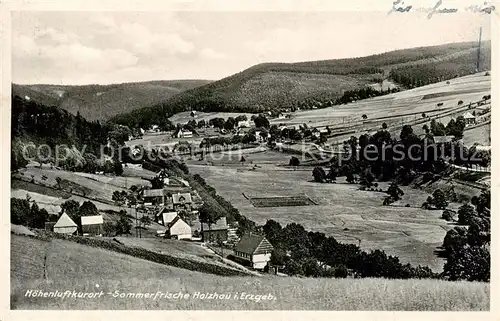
[254,249]
[178,229]
[65,225]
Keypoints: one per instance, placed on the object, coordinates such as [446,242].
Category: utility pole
[479,49]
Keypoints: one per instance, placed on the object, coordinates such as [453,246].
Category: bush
[448,215]
[341,271]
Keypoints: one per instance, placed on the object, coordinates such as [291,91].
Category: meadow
[469,88]
[343,211]
[62,265]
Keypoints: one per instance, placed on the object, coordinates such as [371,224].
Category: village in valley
[368,178]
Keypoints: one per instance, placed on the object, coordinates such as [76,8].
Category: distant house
[316,133]
[153,197]
[182,201]
[184,133]
[255,250]
[469,118]
[443,139]
[178,229]
[92,225]
[65,225]
[215,232]
[243,124]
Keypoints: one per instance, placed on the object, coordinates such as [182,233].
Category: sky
[76,48]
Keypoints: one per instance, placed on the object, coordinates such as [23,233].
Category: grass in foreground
[81,268]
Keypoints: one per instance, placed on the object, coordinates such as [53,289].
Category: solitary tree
[439,199]
[319,174]
[465,214]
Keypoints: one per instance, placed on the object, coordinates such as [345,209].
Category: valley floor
[343,211]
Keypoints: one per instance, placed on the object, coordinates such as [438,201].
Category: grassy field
[61,265]
[343,211]
[480,135]
[98,186]
[181,249]
[469,88]
[184,117]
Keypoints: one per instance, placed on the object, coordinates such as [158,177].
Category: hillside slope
[62,265]
[305,84]
[96,102]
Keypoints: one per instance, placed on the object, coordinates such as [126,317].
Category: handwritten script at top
[399,6]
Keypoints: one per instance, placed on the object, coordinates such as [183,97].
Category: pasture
[343,211]
[468,89]
[184,117]
[64,265]
[95,186]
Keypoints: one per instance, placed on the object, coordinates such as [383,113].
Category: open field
[182,249]
[350,215]
[67,265]
[469,88]
[184,117]
[97,186]
[480,135]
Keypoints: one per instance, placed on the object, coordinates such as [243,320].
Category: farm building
[65,225]
[183,133]
[92,225]
[443,139]
[153,196]
[215,232]
[178,229]
[182,201]
[243,124]
[469,118]
[165,216]
[254,250]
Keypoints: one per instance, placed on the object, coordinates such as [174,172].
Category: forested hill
[318,83]
[96,102]
[36,123]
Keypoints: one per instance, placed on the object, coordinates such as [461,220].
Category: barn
[92,225]
[65,225]
[215,232]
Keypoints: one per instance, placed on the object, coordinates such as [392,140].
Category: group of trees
[422,74]
[75,211]
[362,93]
[453,128]
[215,206]
[50,125]
[22,213]
[65,134]
[314,254]
[382,157]
[467,247]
